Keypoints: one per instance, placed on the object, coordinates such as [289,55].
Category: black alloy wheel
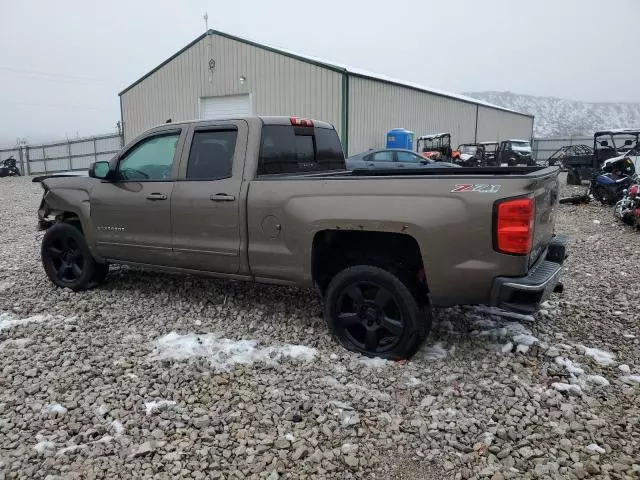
[370,317]
[67,260]
[377,313]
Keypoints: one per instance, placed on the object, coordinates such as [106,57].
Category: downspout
[122,142]
[475,135]
[345,113]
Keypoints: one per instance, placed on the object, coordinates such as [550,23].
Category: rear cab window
[293,149]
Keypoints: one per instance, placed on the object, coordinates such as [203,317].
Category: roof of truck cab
[267,120]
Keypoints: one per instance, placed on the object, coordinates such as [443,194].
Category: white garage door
[212,108]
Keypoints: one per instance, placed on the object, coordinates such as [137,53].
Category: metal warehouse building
[221,76]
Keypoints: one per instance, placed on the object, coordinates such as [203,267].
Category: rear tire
[67,260]
[374,312]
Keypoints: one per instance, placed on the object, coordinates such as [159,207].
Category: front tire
[67,260]
[376,313]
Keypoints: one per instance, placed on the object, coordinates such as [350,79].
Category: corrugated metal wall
[498,125]
[278,85]
[376,107]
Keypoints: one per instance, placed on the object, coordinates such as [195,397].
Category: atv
[9,168]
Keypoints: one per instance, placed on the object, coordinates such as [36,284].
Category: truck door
[206,203]
[131,213]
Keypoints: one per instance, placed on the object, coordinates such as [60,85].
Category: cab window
[150,160]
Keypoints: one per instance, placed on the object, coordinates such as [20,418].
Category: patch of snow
[349,417]
[524,339]
[6,286]
[504,313]
[595,448]
[157,406]
[601,357]
[413,382]
[483,322]
[223,353]
[15,342]
[54,408]
[101,411]
[507,347]
[131,375]
[630,379]
[628,335]
[598,380]
[617,312]
[433,352]
[597,222]
[290,437]
[341,405]
[332,382]
[44,446]
[7,321]
[117,427]
[375,362]
[565,387]
[522,348]
[572,368]
[73,448]
[624,368]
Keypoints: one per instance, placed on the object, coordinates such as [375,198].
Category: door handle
[156,196]
[222,197]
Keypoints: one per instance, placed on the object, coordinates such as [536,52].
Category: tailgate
[545,190]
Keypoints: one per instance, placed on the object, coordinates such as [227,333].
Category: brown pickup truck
[268,199]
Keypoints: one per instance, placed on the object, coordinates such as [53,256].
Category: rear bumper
[525,294]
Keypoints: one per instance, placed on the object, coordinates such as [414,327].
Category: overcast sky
[63,63]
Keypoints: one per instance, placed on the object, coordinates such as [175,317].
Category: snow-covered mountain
[556,117]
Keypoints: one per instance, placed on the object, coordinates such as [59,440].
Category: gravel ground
[165,376]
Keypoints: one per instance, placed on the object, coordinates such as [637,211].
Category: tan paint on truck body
[277,218]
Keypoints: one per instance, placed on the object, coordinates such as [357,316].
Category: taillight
[515,220]
[301,122]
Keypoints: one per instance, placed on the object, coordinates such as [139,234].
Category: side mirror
[99,170]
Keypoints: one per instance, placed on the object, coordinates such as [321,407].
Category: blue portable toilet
[400,138]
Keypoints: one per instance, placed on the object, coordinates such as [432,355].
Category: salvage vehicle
[570,158]
[490,149]
[471,155]
[9,168]
[268,199]
[515,152]
[608,145]
[393,158]
[628,208]
[435,146]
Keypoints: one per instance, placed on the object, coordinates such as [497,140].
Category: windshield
[625,142]
[468,149]
[521,146]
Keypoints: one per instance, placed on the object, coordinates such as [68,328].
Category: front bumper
[525,294]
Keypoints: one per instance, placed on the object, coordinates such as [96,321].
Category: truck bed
[452,171]
[445,172]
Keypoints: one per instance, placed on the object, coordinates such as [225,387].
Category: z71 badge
[482,188]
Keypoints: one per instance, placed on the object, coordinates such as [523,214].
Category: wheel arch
[335,250]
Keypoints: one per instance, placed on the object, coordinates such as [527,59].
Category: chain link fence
[65,156]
